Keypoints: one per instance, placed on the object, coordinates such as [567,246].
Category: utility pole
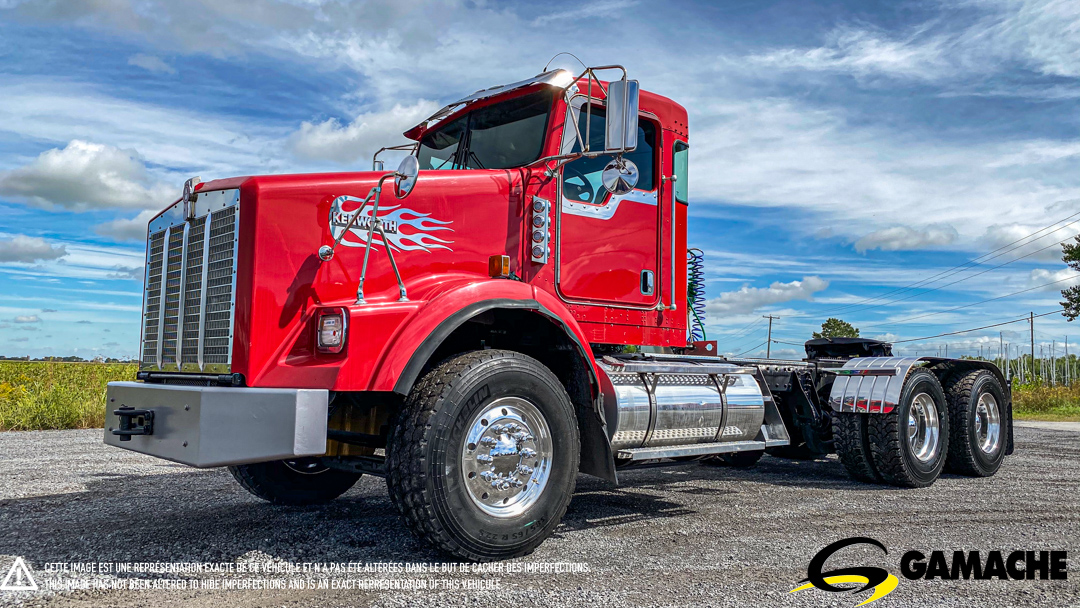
[1031,322]
[768,343]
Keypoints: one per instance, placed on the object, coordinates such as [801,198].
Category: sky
[849,158]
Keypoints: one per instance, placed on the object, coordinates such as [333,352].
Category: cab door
[608,246]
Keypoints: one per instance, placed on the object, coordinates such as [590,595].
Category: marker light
[499,266]
[331,330]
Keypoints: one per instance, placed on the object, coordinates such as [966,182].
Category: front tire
[909,445]
[978,424]
[483,459]
[304,481]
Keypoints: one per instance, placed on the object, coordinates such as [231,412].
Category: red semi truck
[513,305]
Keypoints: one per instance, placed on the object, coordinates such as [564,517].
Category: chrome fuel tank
[668,409]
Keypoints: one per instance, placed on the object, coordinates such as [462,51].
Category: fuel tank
[660,407]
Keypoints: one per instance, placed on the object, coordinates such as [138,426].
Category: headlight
[333,324]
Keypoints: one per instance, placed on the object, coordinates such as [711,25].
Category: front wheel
[483,459]
[303,481]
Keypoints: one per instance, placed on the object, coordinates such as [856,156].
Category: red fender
[409,349]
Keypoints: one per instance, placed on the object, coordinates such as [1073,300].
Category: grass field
[46,395]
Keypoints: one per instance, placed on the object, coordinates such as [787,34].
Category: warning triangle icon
[19,578]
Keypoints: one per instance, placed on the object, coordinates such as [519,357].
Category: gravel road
[680,536]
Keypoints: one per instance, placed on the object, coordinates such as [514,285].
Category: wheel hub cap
[924,427]
[506,458]
[988,423]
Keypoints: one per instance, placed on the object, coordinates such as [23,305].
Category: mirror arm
[375,159]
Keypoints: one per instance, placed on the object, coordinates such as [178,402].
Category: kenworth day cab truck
[513,305]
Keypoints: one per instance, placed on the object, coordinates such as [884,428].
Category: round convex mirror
[405,176]
[620,176]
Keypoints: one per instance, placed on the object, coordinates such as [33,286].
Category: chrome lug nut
[528,453]
[485,458]
[488,441]
[524,470]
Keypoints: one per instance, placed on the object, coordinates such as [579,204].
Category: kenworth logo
[945,565]
[406,230]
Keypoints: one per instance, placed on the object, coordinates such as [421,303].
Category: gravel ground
[692,535]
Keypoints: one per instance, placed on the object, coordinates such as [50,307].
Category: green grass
[1033,402]
[56,395]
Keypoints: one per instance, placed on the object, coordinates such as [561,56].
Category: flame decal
[406,230]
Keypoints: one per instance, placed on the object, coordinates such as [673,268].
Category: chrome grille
[190,286]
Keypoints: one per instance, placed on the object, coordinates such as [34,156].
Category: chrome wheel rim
[506,457]
[988,423]
[306,466]
[924,427]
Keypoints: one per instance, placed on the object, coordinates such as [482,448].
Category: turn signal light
[499,266]
[333,324]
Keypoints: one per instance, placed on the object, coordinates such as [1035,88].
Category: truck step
[697,449]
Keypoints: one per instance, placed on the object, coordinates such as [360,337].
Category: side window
[438,149]
[680,164]
[581,177]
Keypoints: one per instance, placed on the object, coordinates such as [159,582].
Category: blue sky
[839,150]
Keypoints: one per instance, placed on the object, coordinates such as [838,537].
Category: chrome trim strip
[181,304]
[200,359]
[161,295]
[697,449]
[235,262]
[608,209]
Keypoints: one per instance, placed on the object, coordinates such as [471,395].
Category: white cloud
[1044,246]
[27,319]
[331,140]
[748,299]
[124,229]
[863,53]
[1054,280]
[1042,35]
[151,63]
[906,238]
[86,175]
[29,249]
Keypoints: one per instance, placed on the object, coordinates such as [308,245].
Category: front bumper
[205,426]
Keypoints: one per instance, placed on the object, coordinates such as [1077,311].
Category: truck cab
[469,326]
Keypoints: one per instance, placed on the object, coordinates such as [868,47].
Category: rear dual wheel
[906,447]
[979,424]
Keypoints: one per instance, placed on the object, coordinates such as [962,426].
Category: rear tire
[910,444]
[978,427]
[304,481]
[483,459]
[852,441]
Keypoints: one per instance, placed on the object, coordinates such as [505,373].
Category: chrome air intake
[190,285]
[667,404]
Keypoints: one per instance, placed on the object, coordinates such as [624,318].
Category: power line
[960,268]
[750,349]
[941,312]
[964,331]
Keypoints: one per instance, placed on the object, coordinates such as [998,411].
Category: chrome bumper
[205,426]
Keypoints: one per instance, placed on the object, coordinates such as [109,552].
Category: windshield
[499,136]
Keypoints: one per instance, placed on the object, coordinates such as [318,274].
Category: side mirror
[378,165]
[620,176]
[405,176]
[622,115]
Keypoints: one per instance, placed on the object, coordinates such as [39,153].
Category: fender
[407,354]
[873,385]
